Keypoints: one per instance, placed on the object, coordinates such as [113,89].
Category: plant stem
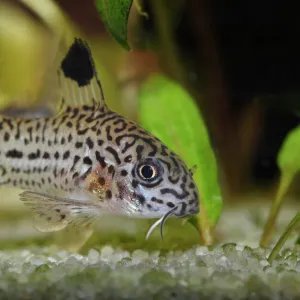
[285,181]
[140,9]
[170,52]
[284,238]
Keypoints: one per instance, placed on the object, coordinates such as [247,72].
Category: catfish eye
[147,172]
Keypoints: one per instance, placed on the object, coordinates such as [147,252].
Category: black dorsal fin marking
[78,77]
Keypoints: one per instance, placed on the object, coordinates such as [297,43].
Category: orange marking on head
[98,181]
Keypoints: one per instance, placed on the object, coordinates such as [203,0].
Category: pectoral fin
[53,213]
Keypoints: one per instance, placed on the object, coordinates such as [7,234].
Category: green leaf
[288,161]
[114,14]
[289,156]
[167,111]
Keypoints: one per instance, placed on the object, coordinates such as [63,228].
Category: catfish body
[88,160]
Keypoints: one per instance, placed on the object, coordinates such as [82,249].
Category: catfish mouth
[172,212]
[185,211]
[194,211]
[161,222]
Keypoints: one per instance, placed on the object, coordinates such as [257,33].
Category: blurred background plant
[234,65]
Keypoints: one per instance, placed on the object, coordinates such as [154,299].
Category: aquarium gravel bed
[227,272]
[236,270]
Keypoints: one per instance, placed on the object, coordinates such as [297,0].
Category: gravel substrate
[227,272]
[130,268]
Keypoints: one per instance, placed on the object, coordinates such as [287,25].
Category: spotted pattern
[97,150]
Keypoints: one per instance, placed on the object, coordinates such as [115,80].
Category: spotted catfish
[88,160]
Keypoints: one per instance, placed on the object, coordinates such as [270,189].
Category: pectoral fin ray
[52,213]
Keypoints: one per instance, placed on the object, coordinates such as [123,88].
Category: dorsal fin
[78,79]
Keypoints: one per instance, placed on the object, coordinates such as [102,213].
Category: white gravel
[229,271]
